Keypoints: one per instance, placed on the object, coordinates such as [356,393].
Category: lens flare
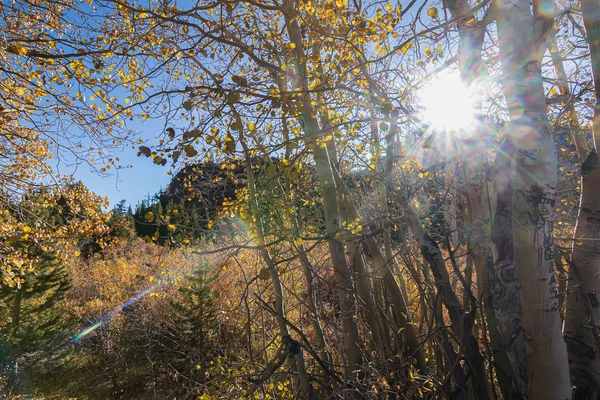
[449,105]
[108,316]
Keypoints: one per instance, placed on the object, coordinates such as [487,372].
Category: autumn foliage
[368,199]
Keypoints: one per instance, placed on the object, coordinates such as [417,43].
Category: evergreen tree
[194,314]
[35,322]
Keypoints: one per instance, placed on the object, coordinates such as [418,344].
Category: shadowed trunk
[479,195]
[583,292]
[461,321]
[533,201]
[306,390]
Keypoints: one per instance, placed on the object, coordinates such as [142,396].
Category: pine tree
[194,315]
[34,323]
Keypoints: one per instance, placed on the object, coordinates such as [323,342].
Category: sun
[448,105]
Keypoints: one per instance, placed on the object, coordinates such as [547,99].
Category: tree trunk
[312,130]
[16,310]
[583,310]
[307,267]
[367,284]
[479,199]
[306,390]
[392,154]
[533,201]
[369,309]
[505,289]
[582,313]
[308,271]
[381,268]
[461,321]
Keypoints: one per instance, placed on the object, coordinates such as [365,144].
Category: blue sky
[131,184]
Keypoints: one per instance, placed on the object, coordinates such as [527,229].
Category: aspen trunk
[479,198]
[307,267]
[312,130]
[381,206]
[381,269]
[505,290]
[461,321]
[16,310]
[392,153]
[306,390]
[367,284]
[582,313]
[582,310]
[380,264]
[369,309]
[533,201]
[308,271]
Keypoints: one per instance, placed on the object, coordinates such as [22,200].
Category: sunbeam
[448,105]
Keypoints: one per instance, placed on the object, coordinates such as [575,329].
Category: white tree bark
[310,125]
[479,193]
[534,196]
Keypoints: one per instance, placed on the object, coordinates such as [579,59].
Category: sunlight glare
[448,104]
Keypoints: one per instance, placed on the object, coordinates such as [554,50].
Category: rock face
[198,193]
[202,188]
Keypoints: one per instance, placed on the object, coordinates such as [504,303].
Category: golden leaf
[20,49]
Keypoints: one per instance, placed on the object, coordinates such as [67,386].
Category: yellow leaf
[171,227]
[251,127]
[406,47]
[21,49]
[433,13]
[229,144]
